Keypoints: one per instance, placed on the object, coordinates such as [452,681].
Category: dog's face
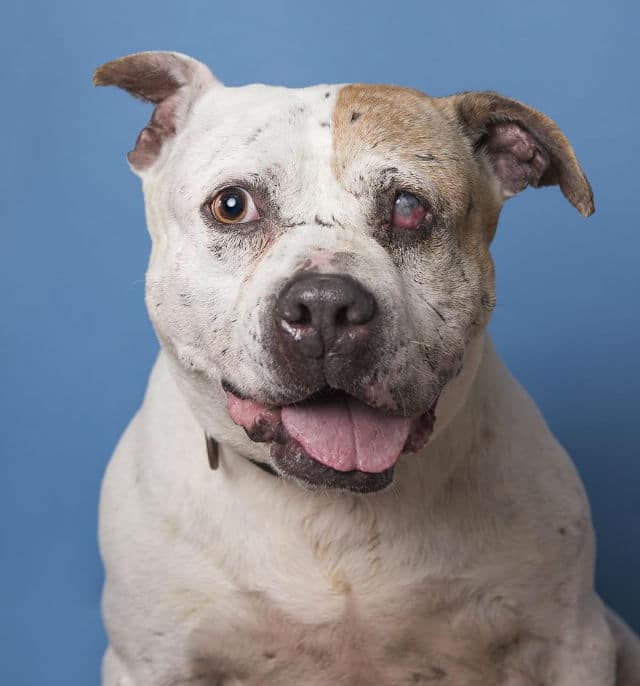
[322,254]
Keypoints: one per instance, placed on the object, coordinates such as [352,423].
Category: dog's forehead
[257,116]
[257,131]
[319,131]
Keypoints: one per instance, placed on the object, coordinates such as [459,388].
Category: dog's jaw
[209,405]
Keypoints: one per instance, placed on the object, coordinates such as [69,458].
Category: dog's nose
[320,313]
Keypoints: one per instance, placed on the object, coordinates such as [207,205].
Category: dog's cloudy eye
[408,212]
[234,206]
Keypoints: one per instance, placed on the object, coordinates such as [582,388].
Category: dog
[333,479]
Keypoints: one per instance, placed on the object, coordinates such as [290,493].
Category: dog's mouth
[332,439]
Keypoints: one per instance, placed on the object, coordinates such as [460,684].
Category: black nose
[320,313]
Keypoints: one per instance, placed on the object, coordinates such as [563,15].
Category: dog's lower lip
[291,461]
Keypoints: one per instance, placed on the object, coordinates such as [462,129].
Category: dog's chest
[356,613]
[405,644]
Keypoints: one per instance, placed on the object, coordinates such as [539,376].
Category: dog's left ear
[171,81]
[523,146]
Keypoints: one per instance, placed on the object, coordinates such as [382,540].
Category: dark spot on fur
[488,302]
[254,136]
[223,352]
[434,674]
[289,224]
[355,116]
[502,648]
[562,531]
[269,654]
[327,94]
[344,260]
[209,676]
[320,222]
[336,221]
[437,311]
[426,158]
[325,124]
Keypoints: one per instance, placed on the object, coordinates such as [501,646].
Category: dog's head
[321,255]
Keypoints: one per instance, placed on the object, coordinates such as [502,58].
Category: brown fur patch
[405,127]
[400,125]
[444,145]
[409,127]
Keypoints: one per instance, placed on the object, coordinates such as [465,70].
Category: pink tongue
[346,434]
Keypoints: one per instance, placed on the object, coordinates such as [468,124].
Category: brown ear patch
[524,146]
[149,76]
[169,80]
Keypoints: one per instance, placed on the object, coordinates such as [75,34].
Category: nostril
[355,313]
[342,317]
[304,317]
[298,314]
[361,311]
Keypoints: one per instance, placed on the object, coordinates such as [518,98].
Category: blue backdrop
[75,343]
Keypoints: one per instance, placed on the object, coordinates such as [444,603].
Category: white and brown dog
[320,282]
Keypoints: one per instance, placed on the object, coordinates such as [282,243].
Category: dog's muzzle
[335,428]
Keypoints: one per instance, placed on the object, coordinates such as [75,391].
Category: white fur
[475,568]
[234,565]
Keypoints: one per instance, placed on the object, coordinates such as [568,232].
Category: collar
[214,460]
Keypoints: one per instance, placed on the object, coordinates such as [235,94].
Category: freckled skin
[476,566]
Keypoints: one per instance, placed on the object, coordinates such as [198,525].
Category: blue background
[75,342]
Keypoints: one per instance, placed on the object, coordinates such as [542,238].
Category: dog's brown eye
[234,206]
[408,212]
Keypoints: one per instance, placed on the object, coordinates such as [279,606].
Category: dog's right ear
[523,146]
[171,81]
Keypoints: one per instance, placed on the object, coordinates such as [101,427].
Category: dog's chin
[332,440]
